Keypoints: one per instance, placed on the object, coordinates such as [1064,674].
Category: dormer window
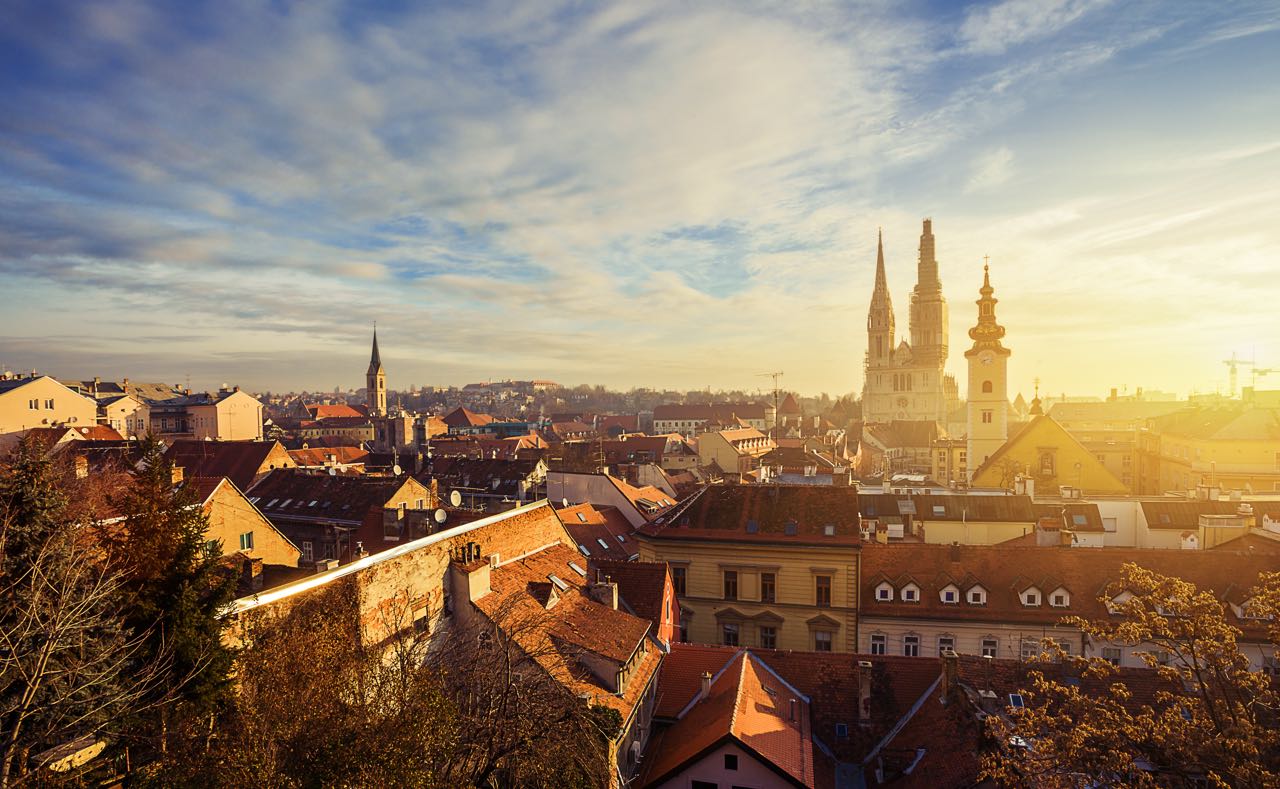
[977,596]
[1060,598]
[950,595]
[1031,597]
[910,593]
[884,593]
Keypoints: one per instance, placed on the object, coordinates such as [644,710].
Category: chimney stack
[605,592]
[950,675]
[706,686]
[176,476]
[864,691]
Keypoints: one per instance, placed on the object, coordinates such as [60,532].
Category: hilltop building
[907,381]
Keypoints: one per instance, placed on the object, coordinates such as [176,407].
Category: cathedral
[907,380]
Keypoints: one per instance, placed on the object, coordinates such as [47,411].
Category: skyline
[663,197]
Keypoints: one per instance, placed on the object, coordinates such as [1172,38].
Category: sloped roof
[319,456]
[290,493]
[590,525]
[1004,570]
[723,412]
[750,704]
[1227,423]
[461,417]
[1132,413]
[238,461]
[640,584]
[765,513]
[1183,515]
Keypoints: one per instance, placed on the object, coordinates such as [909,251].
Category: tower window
[986,387]
[986,417]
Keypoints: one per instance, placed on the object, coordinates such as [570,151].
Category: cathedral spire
[882,285]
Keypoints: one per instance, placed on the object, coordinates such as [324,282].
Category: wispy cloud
[558,190]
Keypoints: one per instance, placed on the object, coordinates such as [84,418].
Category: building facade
[906,381]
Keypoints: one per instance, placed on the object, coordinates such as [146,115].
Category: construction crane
[1232,364]
[775,376]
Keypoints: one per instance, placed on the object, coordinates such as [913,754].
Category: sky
[664,195]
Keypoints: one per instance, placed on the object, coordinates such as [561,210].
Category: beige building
[771,566]
[734,451]
[238,527]
[1111,431]
[128,415]
[41,401]
[227,415]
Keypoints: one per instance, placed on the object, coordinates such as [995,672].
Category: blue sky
[634,194]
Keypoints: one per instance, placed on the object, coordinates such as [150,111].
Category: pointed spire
[375,361]
[881,281]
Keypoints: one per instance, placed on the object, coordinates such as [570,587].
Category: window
[939,510]
[768,637]
[1109,525]
[677,579]
[911,646]
[731,585]
[211,548]
[977,596]
[308,550]
[246,541]
[990,647]
[1031,598]
[768,585]
[945,643]
[822,641]
[582,518]
[1030,648]
[822,591]
[986,417]
[729,634]
[986,387]
[884,592]
[879,644]
[34,405]
[949,596]
[1059,600]
[584,550]
[731,761]
[910,594]
[842,730]
[1016,701]
[603,544]
[48,404]
[1111,655]
[1046,464]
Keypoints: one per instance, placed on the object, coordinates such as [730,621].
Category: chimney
[950,675]
[176,475]
[82,467]
[864,691]
[706,686]
[360,552]
[793,710]
[96,381]
[605,592]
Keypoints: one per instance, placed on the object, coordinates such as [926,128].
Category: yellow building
[126,414]
[1232,448]
[771,566]
[238,526]
[1111,431]
[227,415]
[735,451]
[41,401]
[1048,454]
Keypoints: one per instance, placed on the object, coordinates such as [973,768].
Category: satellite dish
[455,498]
[564,502]
[397,470]
[333,472]
[441,516]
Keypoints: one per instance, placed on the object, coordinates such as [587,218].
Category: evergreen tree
[175,590]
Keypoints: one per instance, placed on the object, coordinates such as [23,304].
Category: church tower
[928,309]
[376,381]
[880,337]
[988,406]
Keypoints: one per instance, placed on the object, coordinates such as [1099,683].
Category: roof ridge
[738,693]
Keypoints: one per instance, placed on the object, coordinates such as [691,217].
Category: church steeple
[375,361]
[376,381]
[988,333]
[929,315]
[880,325]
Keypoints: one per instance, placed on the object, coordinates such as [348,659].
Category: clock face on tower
[986,357]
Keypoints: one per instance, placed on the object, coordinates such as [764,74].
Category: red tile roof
[1003,571]
[589,525]
[750,704]
[320,412]
[642,585]
[765,513]
[461,417]
[319,456]
[239,461]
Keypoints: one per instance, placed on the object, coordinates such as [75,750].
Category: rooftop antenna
[775,376]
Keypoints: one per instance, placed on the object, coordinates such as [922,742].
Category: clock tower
[988,399]
[376,380]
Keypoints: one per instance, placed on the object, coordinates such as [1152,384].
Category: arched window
[986,387]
